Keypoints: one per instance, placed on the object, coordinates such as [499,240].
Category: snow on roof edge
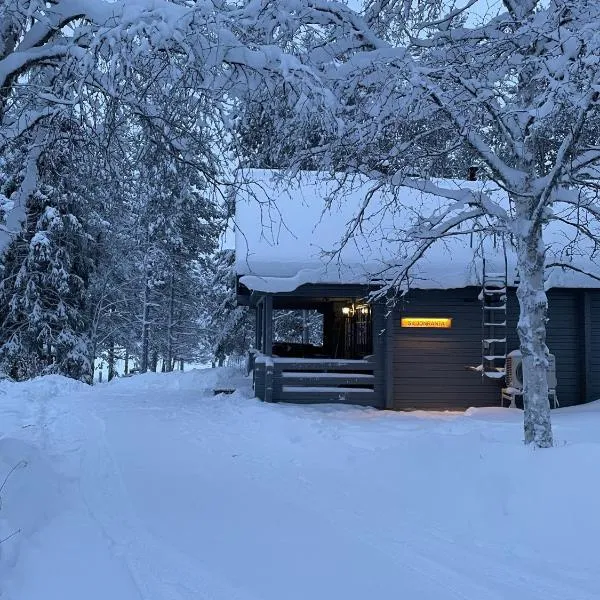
[284,233]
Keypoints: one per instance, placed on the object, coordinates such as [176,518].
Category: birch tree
[495,81]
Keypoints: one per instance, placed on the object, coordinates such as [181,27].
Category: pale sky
[481,8]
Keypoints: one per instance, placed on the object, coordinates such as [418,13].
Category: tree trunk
[111,360]
[145,328]
[93,361]
[126,366]
[171,320]
[154,361]
[305,328]
[533,305]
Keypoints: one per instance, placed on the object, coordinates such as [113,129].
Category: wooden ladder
[494,341]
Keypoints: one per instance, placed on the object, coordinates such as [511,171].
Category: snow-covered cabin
[442,345]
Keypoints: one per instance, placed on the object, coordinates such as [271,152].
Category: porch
[312,380]
[343,364]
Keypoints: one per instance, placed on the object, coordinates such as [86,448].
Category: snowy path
[177,495]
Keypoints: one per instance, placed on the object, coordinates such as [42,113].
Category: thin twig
[12,535]
[20,465]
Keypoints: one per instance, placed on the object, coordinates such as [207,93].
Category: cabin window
[298,333]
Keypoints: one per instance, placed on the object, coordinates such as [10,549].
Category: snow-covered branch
[420,239]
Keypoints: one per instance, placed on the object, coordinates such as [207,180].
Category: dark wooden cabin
[434,348]
[370,359]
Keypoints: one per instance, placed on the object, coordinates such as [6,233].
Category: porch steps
[323,364]
[311,395]
[293,378]
[317,380]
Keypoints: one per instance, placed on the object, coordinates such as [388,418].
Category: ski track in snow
[181,495]
[158,571]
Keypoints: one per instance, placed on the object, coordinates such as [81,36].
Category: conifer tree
[43,293]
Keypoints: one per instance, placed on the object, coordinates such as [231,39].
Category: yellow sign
[427,322]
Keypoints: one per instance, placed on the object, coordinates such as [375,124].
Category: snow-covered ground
[152,488]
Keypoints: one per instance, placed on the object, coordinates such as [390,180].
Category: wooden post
[268,328]
[388,375]
[259,326]
[263,324]
[328,330]
[269,380]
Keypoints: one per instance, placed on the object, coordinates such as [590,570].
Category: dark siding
[512,318]
[565,341]
[563,337]
[594,361]
[429,366]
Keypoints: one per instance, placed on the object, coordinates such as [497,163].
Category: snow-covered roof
[285,233]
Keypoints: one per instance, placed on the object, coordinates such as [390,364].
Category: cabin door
[358,333]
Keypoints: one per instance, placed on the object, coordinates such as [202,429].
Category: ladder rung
[494,374]
[494,307]
[495,357]
[492,275]
[495,341]
[500,290]
[503,324]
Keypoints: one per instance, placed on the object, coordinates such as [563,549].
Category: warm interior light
[346,310]
[427,322]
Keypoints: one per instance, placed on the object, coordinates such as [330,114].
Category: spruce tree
[43,299]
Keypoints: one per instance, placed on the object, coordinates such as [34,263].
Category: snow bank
[285,233]
[152,487]
[54,549]
[200,381]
